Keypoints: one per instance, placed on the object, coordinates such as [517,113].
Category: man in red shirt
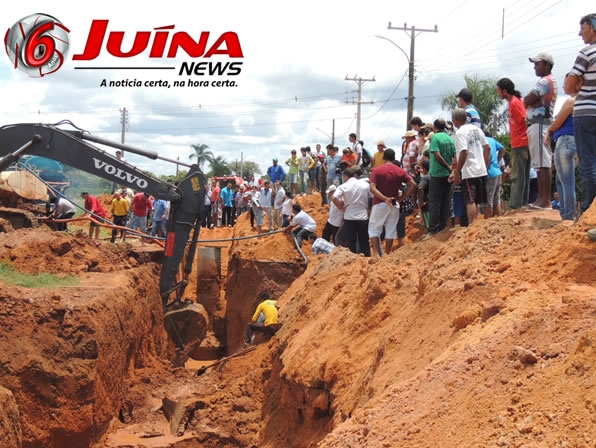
[215,203]
[520,150]
[93,207]
[385,185]
[141,204]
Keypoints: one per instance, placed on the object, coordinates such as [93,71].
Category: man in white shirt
[351,197]
[63,209]
[356,146]
[278,202]
[306,225]
[266,202]
[470,162]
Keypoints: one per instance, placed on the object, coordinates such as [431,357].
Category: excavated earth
[482,336]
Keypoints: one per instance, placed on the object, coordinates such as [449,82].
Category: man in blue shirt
[160,217]
[227,200]
[276,172]
[333,159]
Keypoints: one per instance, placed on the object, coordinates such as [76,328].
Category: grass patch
[9,275]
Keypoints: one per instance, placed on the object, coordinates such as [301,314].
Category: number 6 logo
[37,44]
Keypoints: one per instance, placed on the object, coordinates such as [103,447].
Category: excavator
[185,321]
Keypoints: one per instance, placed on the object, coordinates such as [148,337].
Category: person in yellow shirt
[265,320]
[120,209]
[378,157]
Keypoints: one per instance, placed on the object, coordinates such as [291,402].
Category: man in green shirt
[442,151]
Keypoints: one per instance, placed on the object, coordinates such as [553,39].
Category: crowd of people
[447,172]
[451,171]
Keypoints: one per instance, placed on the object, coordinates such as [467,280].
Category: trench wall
[66,358]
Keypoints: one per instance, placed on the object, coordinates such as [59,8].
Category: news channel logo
[37,44]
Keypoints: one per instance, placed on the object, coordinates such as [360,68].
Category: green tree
[486,101]
[219,167]
[250,169]
[178,177]
[201,154]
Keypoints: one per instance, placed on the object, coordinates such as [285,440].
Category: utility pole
[413,30]
[360,81]
[333,133]
[124,121]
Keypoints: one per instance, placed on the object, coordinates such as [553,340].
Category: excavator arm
[184,321]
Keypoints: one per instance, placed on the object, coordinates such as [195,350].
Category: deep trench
[290,414]
[78,396]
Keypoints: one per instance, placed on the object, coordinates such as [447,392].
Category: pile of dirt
[39,250]
[480,336]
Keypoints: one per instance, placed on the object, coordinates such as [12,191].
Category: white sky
[296,56]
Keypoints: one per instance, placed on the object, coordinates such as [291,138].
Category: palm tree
[201,154]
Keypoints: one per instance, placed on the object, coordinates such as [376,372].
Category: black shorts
[474,190]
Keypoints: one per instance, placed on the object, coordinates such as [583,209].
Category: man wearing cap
[540,104]
[410,151]
[465,102]
[306,163]
[582,80]
[276,172]
[378,157]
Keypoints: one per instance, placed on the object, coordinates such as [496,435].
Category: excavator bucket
[186,325]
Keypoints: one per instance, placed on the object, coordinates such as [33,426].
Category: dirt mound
[480,336]
[40,250]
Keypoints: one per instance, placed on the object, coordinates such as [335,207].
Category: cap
[321,156]
[465,94]
[275,159]
[381,143]
[546,57]
[357,169]
[410,133]
[331,189]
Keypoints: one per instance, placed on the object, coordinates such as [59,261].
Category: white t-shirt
[304,220]
[286,208]
[355,196]
[336,216]
[279,198]
[357,147]
[471,139]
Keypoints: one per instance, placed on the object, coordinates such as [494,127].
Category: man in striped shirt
[582,80]
[540,104]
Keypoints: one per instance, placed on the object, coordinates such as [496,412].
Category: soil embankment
[482,336]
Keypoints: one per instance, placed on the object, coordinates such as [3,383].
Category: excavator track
[18,218]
